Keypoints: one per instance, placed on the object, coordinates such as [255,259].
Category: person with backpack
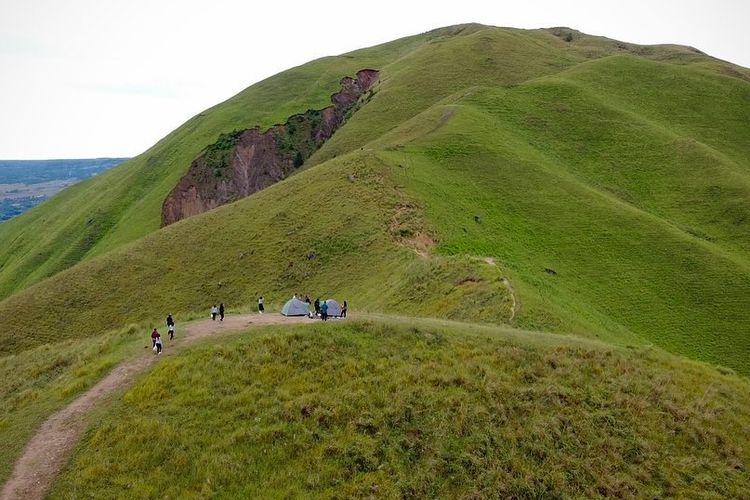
[221,311]
[260,305]
[213,312]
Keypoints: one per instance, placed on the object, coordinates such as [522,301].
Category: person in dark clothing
[261,307]
[307,299]
[170,326]
[221,311]
[343,310]
[154,336]
[317,306]
[324,311]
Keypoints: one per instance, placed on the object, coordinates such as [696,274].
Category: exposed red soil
[255,159]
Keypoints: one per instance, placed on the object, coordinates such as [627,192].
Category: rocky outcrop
[246,161]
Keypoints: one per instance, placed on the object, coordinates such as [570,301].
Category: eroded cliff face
[246,161]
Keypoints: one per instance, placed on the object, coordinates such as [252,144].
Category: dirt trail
[50,448]
[506,282]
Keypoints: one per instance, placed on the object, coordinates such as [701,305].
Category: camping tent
[334,309]
[295,307]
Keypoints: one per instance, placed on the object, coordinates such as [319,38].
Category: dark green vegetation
[216,155]
[430,410]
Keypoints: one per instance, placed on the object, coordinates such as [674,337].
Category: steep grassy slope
[418,71]
[646,227]
[125,203]
[426,410]
[347,234]
[499,176]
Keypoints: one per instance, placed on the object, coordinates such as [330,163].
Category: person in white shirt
[157,343]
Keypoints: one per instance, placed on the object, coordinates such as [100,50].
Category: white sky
[87,78]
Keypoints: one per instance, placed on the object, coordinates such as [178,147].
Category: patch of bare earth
[406,228]
[50,448]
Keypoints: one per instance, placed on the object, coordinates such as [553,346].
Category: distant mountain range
[26,183]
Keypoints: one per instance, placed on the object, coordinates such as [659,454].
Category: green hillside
[423,409]
[577,205]
[124,204]
[609,198]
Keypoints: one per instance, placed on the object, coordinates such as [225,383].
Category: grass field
[418,409]
[39,381]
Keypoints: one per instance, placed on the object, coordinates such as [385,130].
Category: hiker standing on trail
[157,342]
[170,326]
[213,312]
[221,311]
[343,310]
[154,336]
[317,306]
[324,311]
[260,305]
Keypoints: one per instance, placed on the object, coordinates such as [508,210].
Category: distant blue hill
[26,183]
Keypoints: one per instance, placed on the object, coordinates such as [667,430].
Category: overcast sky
[91,78]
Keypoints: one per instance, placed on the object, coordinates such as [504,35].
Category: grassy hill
[545,179]
[497,175]
[418,409]
[124,205]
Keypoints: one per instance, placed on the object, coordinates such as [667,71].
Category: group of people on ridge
[156,336]
[321,310]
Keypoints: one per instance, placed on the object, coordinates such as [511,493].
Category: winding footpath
[50,448]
